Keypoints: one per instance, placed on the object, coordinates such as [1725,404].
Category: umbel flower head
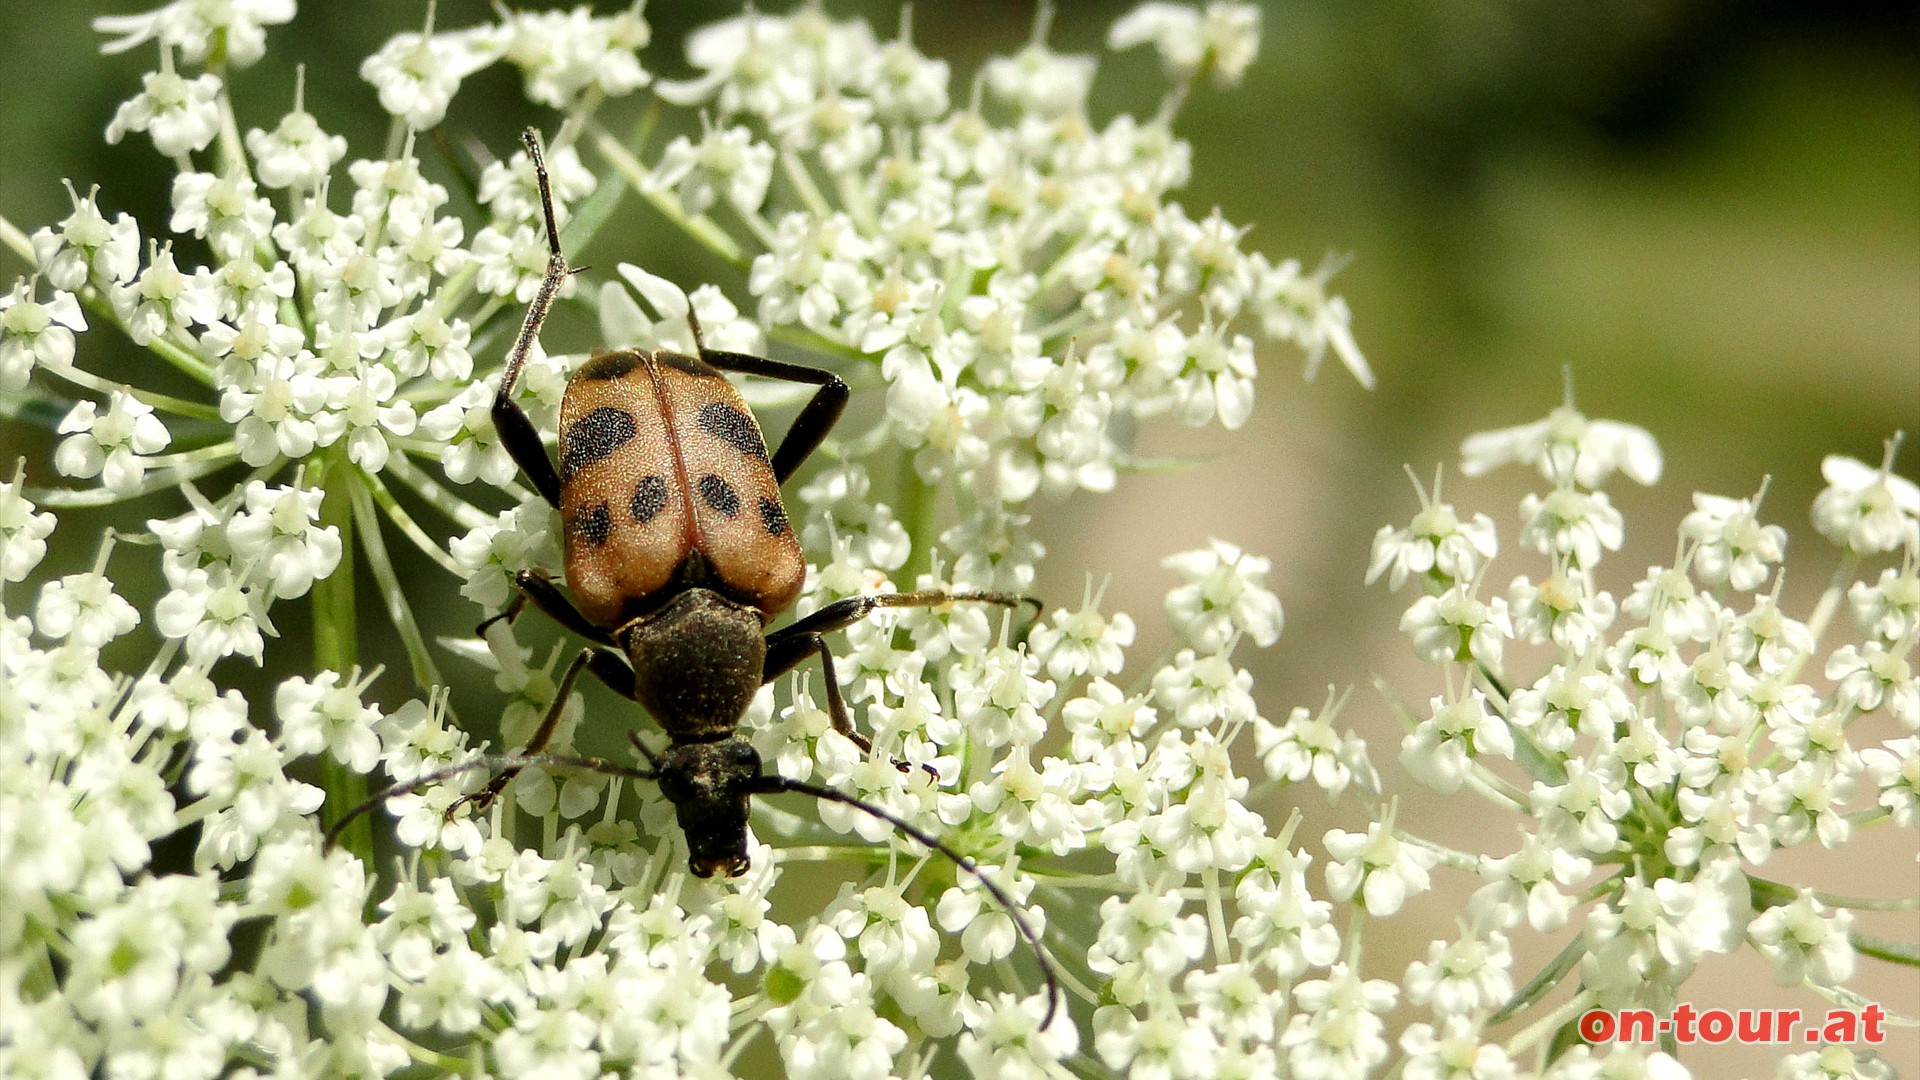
[1016,287]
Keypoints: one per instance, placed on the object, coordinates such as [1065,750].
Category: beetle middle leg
[791,644]
[606,665]
[547,596]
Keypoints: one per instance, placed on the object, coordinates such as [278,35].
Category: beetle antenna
[491,763]
[774,784]
[556,276]
[532,139]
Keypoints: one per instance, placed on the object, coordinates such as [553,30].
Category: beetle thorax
[697,663]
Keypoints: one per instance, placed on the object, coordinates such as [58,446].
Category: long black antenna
[491,763]
[770,784]
[774,784]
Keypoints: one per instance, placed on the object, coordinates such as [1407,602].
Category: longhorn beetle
[678,555]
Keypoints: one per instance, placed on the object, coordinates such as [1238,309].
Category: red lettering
[1597,1026]
[1683,1017]
[1716,1026]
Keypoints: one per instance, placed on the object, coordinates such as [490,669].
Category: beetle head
[709,784]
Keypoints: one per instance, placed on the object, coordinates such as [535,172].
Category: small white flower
[1865,509]
[1377,866]
[565,54]
[1575,525]
[1894,768]
[113,446]
[197,27]
[1337,1028]
[1567,448]
[297,153]
[88,247]
[1295,307]
[325,714]
[1805,942]
[160,302]
[1440,750]
[84,609]
[23,530]
[1473,974]
[1456,625]
[1224,593]
[417,74]
[1888,609]
[1309,745]
[217,614]
[1437,545]
[181,115]
[1731,546]
[1221,41]
[33,334]
[1532,884]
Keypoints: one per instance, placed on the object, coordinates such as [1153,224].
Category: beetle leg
[509,613]
[605,664]
[789,645]
[784,655]
[547,596]
[815,420]
[844,613]
[516,432]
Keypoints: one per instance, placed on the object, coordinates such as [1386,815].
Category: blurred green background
[1709,212]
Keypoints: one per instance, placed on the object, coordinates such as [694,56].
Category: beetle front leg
[605,664]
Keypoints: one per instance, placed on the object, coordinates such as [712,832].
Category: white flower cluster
[1679,735]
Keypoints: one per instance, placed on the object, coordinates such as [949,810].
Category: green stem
[335,640]
[913,501]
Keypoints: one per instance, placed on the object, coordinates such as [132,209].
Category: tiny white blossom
[1865,509]
[1222,40]
[181,115]
[1377,866]
[23,530]
[297,153]
[196,27]
[1224,593]
[1805,942]
[1567,448]
[33,334]
[417,74]
[113,446]
[88,247]
[1731,546]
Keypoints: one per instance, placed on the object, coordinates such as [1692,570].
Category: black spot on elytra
[613,365]
[649,498]
[719,494]
[732,427]
[594,524]
[774,515]
[594,437]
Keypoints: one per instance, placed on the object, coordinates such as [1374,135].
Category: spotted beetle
[678,554]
